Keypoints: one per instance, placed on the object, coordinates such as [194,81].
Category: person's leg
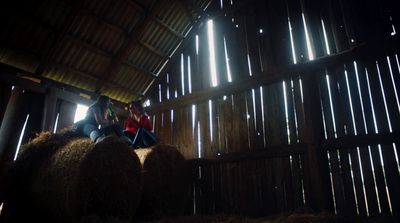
[92,132]
[148,138]
[138,140]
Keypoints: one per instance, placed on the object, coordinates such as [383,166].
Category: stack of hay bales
[166,181]
[17,181]
[62,178]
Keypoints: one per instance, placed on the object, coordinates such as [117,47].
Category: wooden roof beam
[168,28]
[58,43]
[126,49]
[130,64]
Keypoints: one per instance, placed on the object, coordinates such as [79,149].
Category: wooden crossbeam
[363,51]
[127,47]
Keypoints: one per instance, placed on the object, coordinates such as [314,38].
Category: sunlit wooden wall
[305,111]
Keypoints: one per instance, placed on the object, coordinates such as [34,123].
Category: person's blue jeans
[143,138]
[91,131]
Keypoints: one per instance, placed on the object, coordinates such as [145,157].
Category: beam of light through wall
[172,115]
[369,147]
[80,112]
[384,97]
[193,117]
[221,3]
[301,90]
[328,50]
[331,179]
[183,74]
[292,42]
[351,102]
[249,64]
[228,68]
[210,119]
[354,185]
[286,112]
[294,110]
[393,84]
[159,92]
[247,122]
[56,123]
[323,119]
[384,178]
[393,29]
[21,136]
[397,62]
[355,133]
[253,96]
[308,41]
[197,44]
[360,97]
[390,129]
[199,149]
[168,86]
[262,114]
[189,74]
[331,105]
[211,47]
[365,131]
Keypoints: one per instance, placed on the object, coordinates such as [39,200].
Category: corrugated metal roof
[117,47]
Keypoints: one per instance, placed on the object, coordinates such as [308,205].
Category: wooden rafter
[168,28]
[129,64]
[126,49]
[61,36]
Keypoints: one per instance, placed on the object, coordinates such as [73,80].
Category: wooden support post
[49,110]
[5,92]
[319,194]
[12,124]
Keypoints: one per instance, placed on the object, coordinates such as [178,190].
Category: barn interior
[266,107]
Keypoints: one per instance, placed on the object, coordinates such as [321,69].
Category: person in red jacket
[138,126]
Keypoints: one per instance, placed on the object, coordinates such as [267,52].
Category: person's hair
[102,100]
[137,104]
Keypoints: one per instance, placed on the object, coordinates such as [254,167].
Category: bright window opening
[80,112]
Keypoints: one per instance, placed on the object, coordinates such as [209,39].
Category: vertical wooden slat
[279,31]
[220,61]
[321,193]
[337,26]
[66,114]
[5,91]
[252,39]
[12,123]
[298,32]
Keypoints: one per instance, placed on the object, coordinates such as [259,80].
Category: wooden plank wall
[257,155]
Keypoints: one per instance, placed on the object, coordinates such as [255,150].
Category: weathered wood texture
[321,74]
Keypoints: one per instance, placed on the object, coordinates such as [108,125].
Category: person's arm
[99,118]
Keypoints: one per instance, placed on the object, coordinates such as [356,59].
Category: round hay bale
[83,178]
[16,183]
[166,181]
